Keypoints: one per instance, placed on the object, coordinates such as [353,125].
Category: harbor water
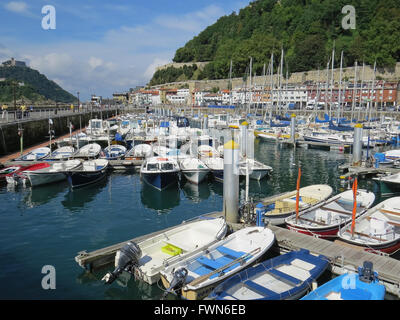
[49,225]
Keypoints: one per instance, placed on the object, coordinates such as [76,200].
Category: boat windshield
[167,166]
[152,166]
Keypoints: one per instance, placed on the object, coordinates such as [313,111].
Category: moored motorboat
[89,151]
[388,184]
[325,219]
[256,169]
[35,155]
[363,285]
[113,152]
[20,177]
[377,230]
[194,169]
[282,206]
[173,245]
[61,153]
[90,172]
[285,277]
[159,172]
[221,260]
[50,174]
[140,151]
[216,166]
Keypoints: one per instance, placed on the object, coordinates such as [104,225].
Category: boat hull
[80,179]
[160,181]
[37,179]
[195,176]
[324,233]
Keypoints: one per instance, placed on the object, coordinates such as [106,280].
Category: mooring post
[357,144]
[293,129]
[231,182]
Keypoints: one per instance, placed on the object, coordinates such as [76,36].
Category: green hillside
[305,29]
[36,86]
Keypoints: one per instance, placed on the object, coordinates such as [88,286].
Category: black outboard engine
[127,258]
[178,280]
[366,272]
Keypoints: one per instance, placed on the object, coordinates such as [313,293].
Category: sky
[101,47]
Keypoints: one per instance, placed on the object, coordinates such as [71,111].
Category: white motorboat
[194,169]
[36,154]
[175,244]
[256,169]
[91,150]
[140,151]
[61,153]
[91,171]
[54,173]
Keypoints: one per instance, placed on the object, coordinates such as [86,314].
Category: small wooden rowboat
[377,230]
[282,206]
[325,219]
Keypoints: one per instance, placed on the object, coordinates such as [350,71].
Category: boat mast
[340,88]
[354,91]
[361,91]
[332,78]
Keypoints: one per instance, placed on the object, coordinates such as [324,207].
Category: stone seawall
[295,78]
[37,131]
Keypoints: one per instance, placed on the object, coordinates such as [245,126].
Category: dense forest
[307,31]
[36,86]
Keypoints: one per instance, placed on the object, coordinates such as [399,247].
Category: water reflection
[36,196]
[196,193]
[76,199]
[161,201]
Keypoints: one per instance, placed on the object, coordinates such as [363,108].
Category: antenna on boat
[353,223]
[298,193]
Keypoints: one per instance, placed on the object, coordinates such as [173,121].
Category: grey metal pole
[293,129]
[231,182]
[357,144]
[243,138]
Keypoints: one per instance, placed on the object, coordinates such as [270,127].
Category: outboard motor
[366,272]
[178,280]
[127,258]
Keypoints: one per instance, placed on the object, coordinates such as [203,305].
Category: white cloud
[16,6]
[152,67]
[123,58]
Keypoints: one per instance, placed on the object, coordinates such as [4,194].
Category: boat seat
[210,263]
[230,252]
[259,289]
[285,276]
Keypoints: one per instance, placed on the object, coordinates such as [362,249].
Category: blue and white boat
[91,171]
[160,172]
[363,285]
[286,277]
[61,153]
[206,269]
[113,152]
[35,155]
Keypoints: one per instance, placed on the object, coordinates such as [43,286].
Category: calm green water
[49,225]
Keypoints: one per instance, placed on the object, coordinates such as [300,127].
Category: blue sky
[101,47]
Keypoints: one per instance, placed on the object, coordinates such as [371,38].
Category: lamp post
[78,101]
